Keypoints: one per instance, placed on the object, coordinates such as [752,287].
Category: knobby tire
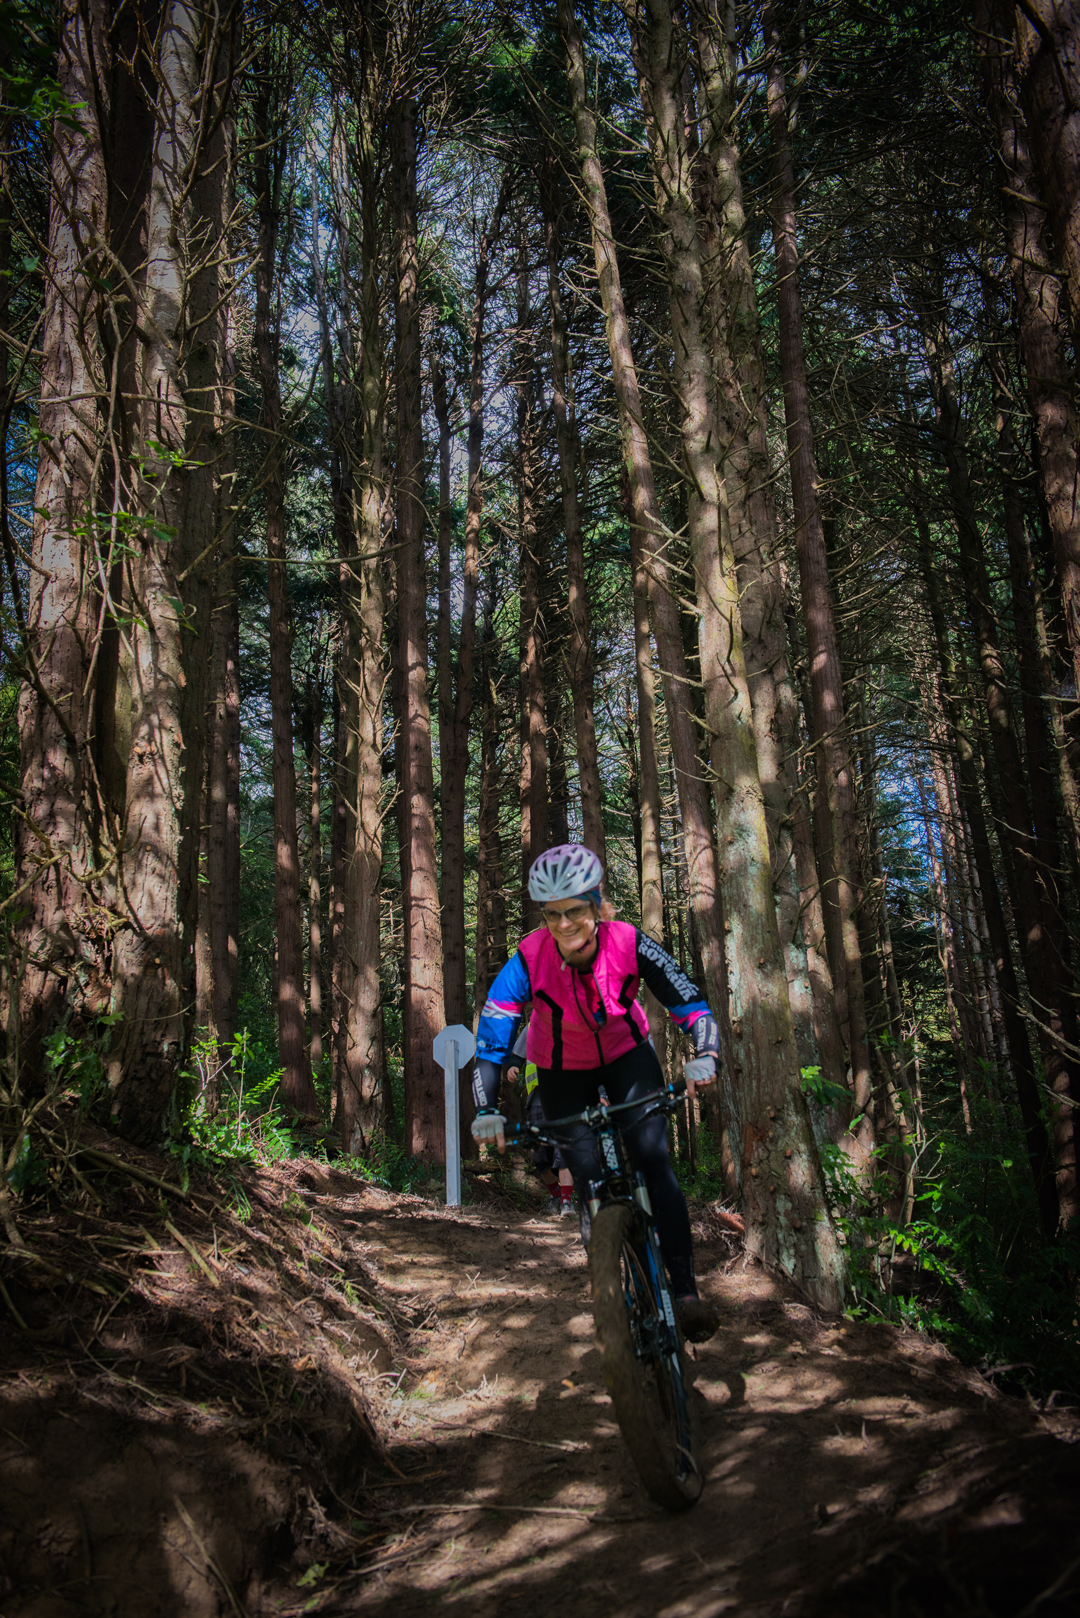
[654,1406]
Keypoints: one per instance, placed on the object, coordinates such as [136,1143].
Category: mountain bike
[646,1369]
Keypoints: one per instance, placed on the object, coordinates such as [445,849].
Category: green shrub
[972,1266]
[225,1113]
[388,1164]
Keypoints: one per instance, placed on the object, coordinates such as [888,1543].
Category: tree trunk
[180,375]
[742,426]
[533,780]
[704,890]
[582,680]
[1048,68]
[783,1194]
[1038,1146]
[360,1064]
[457,695]
[652,875]
[221,832]
[828,726]
[298,1092]
[947,934]
[1041,317]
[1033,694]
[423,1011]
[954,899]
[451,781]
[221,893]
[490,871]
[66,952]
[337,391]
[312,742]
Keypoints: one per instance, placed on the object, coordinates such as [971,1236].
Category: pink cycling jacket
[584,1019]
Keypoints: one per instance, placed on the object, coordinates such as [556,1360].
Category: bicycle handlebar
[595,1116]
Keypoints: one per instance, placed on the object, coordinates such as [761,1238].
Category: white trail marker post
[452,1049]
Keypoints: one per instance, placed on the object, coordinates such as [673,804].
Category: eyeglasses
[575,914]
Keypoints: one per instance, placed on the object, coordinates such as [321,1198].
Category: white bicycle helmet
[565,872]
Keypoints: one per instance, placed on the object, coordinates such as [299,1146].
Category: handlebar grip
[679,1087]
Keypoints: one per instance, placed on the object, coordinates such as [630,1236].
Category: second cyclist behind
[547,1159]
[581,973]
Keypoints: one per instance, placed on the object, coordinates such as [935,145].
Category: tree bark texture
[172,488]
[297,1089]
[63,932]
[652,873]
[1047,43]
[787,1221]
[451,788]
[533,778]
[580,661]
[697,833]
[835,820]
[221,893]
[457,690]
[423,937]
[1042,318]
[491,935]
[733,320]
[312,742]
[360,1064]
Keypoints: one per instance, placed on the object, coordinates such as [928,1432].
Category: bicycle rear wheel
[645,1365]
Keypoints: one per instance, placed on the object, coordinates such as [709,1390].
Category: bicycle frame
[640,1342]
[618,1182]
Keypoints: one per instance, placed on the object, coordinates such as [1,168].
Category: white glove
[488,1126]
[699,1071]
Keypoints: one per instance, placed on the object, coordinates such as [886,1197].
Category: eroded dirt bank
[354,1402]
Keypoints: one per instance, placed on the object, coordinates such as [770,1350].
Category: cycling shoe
[698,1320]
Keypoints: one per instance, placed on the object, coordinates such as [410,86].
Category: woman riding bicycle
[581,972]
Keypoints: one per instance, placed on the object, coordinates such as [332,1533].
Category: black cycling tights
[566,1090]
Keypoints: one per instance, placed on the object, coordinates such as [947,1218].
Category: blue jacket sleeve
[681,999]
[499,1021]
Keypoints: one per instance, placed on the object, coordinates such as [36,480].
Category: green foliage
[36,1148]
[985,1279]
[27,63]
[706,1180]
[30,1168]
[231,1116]
[823,1091]
[76,1063]
[388,1164]
[970,1266]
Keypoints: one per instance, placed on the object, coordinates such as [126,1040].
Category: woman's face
[572,923]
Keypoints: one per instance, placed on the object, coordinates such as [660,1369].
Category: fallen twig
[189,1247]
[112,1162]
[210,1560]
[486,1505]
[565,1444]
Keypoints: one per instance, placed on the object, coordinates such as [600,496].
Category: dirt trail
[851,1468]
[204,1439]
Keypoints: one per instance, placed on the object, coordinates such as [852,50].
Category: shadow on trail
[178,1427]
[100,1515]
[189,1447]
[833,1452]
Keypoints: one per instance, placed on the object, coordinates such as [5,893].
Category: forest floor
[325,1397]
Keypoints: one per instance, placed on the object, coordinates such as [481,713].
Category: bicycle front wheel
[645,1364]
